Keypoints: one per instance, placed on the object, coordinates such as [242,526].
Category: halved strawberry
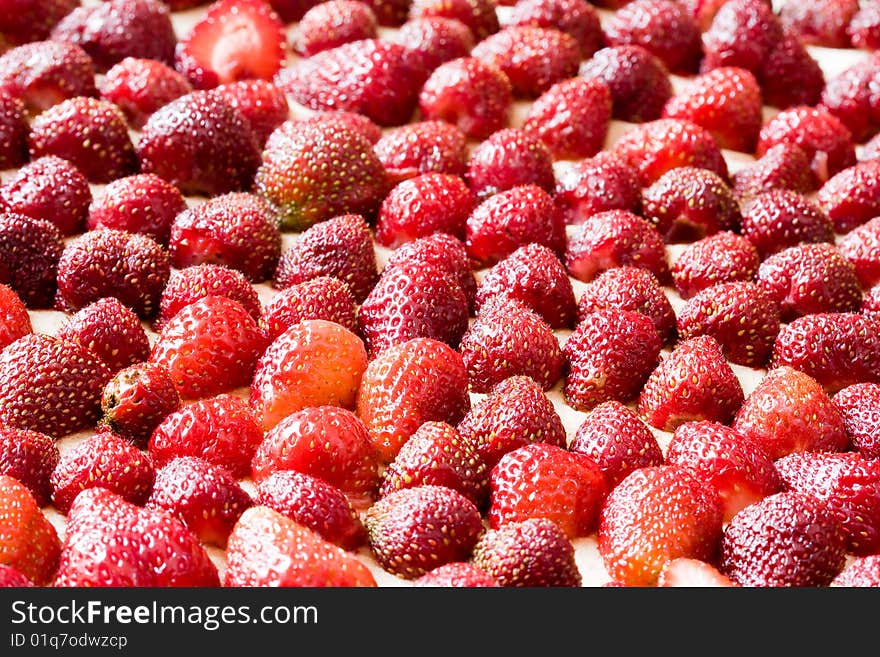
[509,158]
[15,322]
[30,457]
[664,28]
[139,87]
[136,400]
[691,573]
[781,218]
[324,297]
[724,257]
[30,249]
[597,184]
[459,574]
[859,406]
[28,541]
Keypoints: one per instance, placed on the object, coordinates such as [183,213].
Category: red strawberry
[615,238]
[238,230]
[10,577]
[32,20]
[139,87]
[110,330]
[479,15]
[436,38]
[418,381]
[131,267]
[691,573]
[288,10]
[871,302]
[29,253]
[858,406]
[822,23]
[852,196]
[30,457]
[639,82]
[657,514]
[694,382]
[234,40]
[613,436]
[469,93]
[790,76]
[205,497]
[136,400]
[222,430]
[347,120]
[315,504]
[579,19]
[509,158]
[742,34]
[724,257]
[110,542]
[609,357]
[458,574]
[597,184]
[783,166]
[664,28]
[864,27]
[262,103]
[330,24]
[861,246]
[414,530]
[861,571]
[201,144]
[143,203]
[780,218]
[532,553]
[50,385]
[320,298]
[423,147]
[28,541]
[850,95]
[312,363]
[188,285]
[788,411]
[103,460]
[14,319]
[13,131]
[268,549]
[785,540]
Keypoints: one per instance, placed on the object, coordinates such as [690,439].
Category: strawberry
[780,218]
[234,40]
[10,577]
[414,530]
[790,77]
[13,131]
[362,125]
[238,230]
[268,549]
[436,38]
[111,542]
[615,238]
[530,553]
[312,363]
[32,20]
[509,158]
[315,504]
[822,23]
[330,24]
[850,96]
[861,246]
[471,94]
[110,330]
[694,382]
[664,28]
[579,19]
[871,301]
[741,316]
[262,103]
[50,385]
[341,247]
[783,166]
[479,15]
[140,86]
[724,257]
[143,203]
[788,411]
[30,457]
[204,496]
[597,184]
[691,573]
[423,147]
[418,381]
[614,437]
[28,541]
[324,298]
[288,10]
[810,278]
[457,574]
[103,460]
[14,319]
[510,219]
[201,144]
[131,267]
[852,196]
[29,250]
[609,357]
[422,205]
[534,276]
[742,34]
[638,81]
[113,30]
[320,171]
[136,400]
[858,404]
[222,430]
[657,514]
[571,117]
[507,339]
[785,540]
[860,571]
[864,27]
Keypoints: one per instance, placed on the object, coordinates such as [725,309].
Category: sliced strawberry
[436,38]
[580,20]
[479,15]
[852,196]
[458,574]
[423,147]
[861,571]
[721,258]
[28,541]
[509,158]
[691,573]
[30,249]
[822,23]
[858,406]
[262,103]
[664,28]
[15,322]
[597,184]
[324,298]
[136,400]
[783,166]
[30,457]
[140,86]
[330,24]
[781,218]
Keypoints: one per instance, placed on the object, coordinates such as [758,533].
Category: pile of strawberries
[333,273]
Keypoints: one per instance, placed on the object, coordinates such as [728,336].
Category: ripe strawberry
[312,363]
[691,573]
[204,496]
[788,411]
[822,23]
[414,530]
[657,514]
[609,357]
[351,120]
[861,246]
[315,504]
[142,203]
[262,103]
[479,15]
[613,436]
[742,34]
[469,93]
[579,19]
[507,339]
[850,96]
[864,27]
[615,238]
[111,542]
[201,144]
[32,20]
[222,430]
[288,10]
[136,400]
[780,218]
[268,549]
[639,82]
[785,540]
[852,196]
[101,263]
[29,253]
[790,76]
[140,86]
[871,301]
[509,158]
[457,574]
[232,41]
[188,285]
[13,131]
[14,319]
[724,257]
[30,457]
[783,166]
[436,38]
[858,404]
[664,28]
[341,247]
[10,577]
[597,184]
[423,147]
[418,381]
[28,541]
[324,298]
[694,382]
[860,571]
[330,24]
[50,385]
